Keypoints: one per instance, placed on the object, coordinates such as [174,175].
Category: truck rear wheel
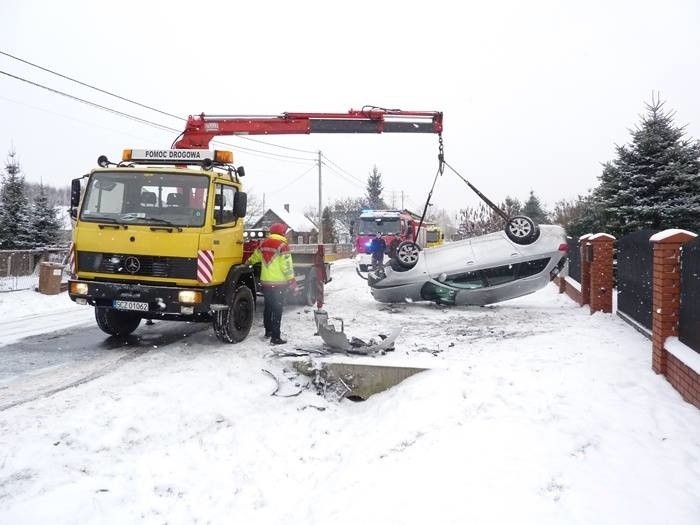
[233,324]
[116,322]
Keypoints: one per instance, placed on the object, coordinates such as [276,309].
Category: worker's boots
[277,341]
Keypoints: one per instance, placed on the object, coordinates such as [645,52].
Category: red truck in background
[394,227]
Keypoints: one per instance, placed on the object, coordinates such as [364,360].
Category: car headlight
[189,297]
[79,288]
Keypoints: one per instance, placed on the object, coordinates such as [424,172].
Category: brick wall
[684,379]
[666,312]
[596,290]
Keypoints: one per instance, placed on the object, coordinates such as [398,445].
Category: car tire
[116,322]
[233,324]
[522,230]
[407,254]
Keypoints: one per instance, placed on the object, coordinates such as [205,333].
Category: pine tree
[374,190]
[44,225]
[14,208]
[533,209]
[329,235]
[654,183]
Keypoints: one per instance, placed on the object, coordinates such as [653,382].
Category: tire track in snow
[40,323]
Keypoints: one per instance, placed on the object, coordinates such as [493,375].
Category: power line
[344,177]
[162,127]
[344,170]
[291,182]
[93,104]
[135,102]
[90,86]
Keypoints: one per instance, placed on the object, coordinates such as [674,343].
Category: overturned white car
[477,271]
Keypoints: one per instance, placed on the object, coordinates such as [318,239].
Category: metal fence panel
[19,269]
[689,321]
[635,261]
[574,258]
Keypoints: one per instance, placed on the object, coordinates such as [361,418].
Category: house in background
[303,230]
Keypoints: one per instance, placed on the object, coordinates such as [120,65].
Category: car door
[228,231]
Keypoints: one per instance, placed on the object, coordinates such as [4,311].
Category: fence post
[585,270]
[666,294]
[601,272]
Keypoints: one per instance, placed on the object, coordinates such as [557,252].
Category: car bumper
[160,301]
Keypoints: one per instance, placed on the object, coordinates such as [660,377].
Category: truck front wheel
[116,322]
[233,324]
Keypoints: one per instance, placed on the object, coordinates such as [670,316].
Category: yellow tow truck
[160,236]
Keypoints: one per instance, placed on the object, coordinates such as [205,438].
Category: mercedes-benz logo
[132,264]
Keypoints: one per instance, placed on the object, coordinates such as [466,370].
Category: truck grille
[146,265]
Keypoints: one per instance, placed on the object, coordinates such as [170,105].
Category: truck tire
[116,322]
[233,324]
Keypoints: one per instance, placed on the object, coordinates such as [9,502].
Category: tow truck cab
[160,235]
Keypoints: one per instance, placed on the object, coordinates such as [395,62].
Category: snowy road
[532,411]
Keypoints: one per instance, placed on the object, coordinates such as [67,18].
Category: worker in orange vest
[276,277]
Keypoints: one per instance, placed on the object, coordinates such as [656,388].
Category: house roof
[296,221]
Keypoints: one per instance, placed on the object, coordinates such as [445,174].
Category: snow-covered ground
[532,411]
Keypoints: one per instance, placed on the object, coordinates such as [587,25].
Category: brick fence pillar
[584,249]
[666,292]
[601,272]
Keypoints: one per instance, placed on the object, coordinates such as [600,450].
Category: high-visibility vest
[276,267]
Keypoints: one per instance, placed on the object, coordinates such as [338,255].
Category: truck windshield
[146,198]
[432,236]
[370,226]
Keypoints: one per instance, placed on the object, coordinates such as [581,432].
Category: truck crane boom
[201,129]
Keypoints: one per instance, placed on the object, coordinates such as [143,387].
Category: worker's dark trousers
[274,304]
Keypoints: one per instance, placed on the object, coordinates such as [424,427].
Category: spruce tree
[654,182]
[14,208]
[533,209]
[44,225]
[374,190]
[329,235]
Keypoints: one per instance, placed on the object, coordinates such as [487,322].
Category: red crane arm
[201,129]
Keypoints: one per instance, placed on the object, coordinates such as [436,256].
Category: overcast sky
[535,94]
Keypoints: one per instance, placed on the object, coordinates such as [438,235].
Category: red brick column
[601,272]
[584,249]
[666,293]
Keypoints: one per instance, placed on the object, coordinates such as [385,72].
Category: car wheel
[116,322]
[407,254]
[522,230]
[233,324]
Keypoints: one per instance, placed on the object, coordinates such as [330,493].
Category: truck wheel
[233,324]
[116,322]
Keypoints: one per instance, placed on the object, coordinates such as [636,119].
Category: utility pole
[263,204]
[320,208]
[402,200]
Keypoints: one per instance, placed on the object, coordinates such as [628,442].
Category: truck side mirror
[74,197]
[240,204]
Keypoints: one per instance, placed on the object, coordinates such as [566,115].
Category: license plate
[131,305]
